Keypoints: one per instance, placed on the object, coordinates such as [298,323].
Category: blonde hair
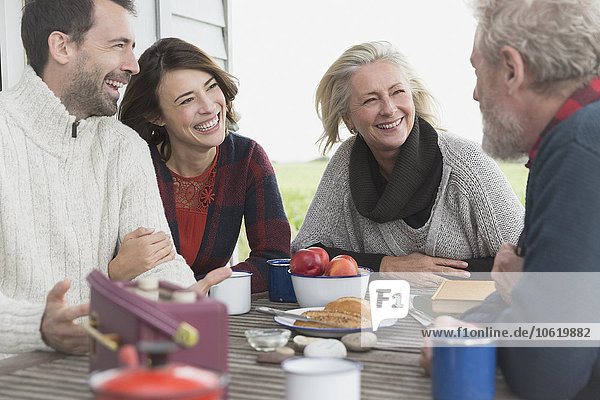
[333,92]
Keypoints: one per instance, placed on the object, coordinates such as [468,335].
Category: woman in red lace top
[181,103]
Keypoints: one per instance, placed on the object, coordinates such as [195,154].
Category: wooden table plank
[22,361]
[61,378]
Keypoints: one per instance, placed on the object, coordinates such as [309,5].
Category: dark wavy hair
[140,101]
[42,17]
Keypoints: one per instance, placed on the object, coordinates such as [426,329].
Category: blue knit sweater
[561,234]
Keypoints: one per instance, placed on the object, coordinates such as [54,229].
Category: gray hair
[559,40]
[333,92]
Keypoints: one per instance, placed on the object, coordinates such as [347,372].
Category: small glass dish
[267,339]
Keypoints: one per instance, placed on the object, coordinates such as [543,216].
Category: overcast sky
[281,48]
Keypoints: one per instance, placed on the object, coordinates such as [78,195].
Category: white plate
[322,332]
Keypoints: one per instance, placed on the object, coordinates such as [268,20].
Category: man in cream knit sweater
[73,180]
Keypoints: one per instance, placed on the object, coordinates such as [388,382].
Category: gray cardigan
[475,210]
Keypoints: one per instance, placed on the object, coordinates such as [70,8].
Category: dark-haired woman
[209,178]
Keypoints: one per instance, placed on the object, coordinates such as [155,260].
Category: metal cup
[235,292]
[463,368]
[280,282]
[322,378]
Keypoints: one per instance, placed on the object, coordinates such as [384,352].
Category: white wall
[11,50]
[145,25]
[201,22]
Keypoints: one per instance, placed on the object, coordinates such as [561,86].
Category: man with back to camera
[75,184]
[537,64]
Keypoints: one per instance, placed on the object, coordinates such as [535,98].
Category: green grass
[516,173]
[298,183]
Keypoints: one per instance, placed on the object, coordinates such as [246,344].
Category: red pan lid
[167,382]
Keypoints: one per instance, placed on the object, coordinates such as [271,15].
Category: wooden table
[390,371]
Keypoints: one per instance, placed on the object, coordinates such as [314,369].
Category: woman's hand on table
[58,328]
[142,250]
[507,270]
[424,270]
[215,276]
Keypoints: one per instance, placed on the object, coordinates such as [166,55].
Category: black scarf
[412,188]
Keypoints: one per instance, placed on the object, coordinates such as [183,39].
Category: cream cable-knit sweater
[65,205]
[475,210]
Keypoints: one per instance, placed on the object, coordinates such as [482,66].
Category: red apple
[341,265]
[322,254]
[306,262]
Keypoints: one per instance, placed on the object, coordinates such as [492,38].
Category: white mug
[322,378]
[234,292]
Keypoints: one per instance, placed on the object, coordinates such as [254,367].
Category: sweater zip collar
[45,119]
[74,129]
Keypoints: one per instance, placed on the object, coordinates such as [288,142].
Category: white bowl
[318,291]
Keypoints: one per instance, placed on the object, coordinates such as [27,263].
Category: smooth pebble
[285,350]
[360,341]
[273,357]
[326,348]
[302,341]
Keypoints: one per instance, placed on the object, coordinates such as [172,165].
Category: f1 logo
[389,299]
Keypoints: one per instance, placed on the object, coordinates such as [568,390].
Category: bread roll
[351,304]
[350,312]
[345,319]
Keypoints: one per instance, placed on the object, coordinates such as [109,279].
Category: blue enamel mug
[280,282]
[463,368]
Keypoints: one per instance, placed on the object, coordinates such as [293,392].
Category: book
[456,297]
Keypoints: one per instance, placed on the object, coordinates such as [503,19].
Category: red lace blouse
[192,198]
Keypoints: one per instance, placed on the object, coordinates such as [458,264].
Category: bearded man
[74,182]
[538,64]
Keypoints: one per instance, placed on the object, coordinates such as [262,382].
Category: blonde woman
[401,195]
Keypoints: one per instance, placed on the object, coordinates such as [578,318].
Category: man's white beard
[502,133]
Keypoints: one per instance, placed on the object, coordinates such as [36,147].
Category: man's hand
[507,270]
[142,250]
[212,278]
[57,327]
[424,271]
[443,322]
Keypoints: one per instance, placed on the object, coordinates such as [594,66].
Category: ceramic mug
[235,292]
[463,369]
[322,378]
